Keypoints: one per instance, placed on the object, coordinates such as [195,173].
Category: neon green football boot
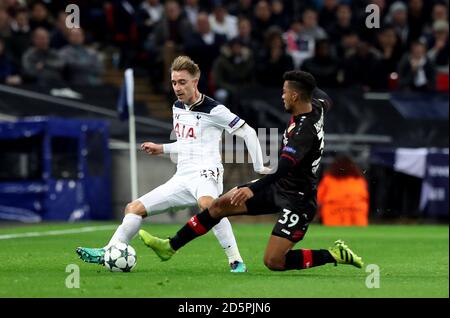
[161,247]
[91,255]
[344,255]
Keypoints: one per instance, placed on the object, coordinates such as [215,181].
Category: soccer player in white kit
[198,122]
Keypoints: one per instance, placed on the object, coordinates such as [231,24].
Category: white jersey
[198,129]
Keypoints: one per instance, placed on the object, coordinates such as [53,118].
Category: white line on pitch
[58,232]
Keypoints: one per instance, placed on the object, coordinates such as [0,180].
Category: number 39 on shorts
[288,217]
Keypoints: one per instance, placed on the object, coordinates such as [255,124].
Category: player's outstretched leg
[91,255]
[224,234]
[198,225]
[344,255]
[124,234]
[161,247]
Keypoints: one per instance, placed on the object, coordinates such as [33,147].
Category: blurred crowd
[236,43]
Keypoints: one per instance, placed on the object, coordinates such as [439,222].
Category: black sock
[302,259]
[198,225]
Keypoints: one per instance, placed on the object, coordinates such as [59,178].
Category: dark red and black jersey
[300,151]
[302,144]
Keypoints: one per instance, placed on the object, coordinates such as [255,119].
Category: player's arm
[234,125]
[323,97]
[157,149]
[291,155]
[254,148]
[170,148]
[242,194]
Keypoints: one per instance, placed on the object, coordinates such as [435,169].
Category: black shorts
[296,211]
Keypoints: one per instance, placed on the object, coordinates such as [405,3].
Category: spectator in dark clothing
[204,46]
[417,18]
[323,66]
[20,39]
[362,69]
[437,44]
[165,43]
[8,72]
[348,45]
[389,54]
[59,35]
[40,63]
[280,16]
[5,31]
[415,71]
[398,18]
[327,15]
[232,71]
[245,35]
[241,9]
[343,25]
[40,17]
[82,65]
[262,20]
[439,12]
[273,60]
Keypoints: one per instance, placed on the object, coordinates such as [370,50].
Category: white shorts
[183,191]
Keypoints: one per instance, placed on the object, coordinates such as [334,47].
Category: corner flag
[125,102]
[125,109]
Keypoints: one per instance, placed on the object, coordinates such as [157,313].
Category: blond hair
[184,63]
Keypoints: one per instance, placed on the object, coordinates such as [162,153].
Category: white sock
[224,234]
[127,230]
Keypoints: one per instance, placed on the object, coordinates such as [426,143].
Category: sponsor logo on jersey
[234,122]
[184,131]
[285,231]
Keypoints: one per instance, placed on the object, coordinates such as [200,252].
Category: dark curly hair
[301,81]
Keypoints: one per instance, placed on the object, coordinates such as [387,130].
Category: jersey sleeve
[323,97]
[224,118]
[298,145]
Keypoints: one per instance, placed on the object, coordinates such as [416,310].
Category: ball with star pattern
[120,257]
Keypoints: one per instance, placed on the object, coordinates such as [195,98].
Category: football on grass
[120,257]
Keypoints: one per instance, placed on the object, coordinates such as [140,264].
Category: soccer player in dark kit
[290,191]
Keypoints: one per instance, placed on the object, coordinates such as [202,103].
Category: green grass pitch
[413,262]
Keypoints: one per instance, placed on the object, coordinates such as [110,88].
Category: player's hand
[264,170]
[241,195]
[152,148]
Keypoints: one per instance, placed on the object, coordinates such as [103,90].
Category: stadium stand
[389,84]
